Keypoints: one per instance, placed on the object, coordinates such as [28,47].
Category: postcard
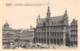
[39,25]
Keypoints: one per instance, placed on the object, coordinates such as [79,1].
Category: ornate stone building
[73,33]
[50,31]
[55,30]
[8,36]
[12,38]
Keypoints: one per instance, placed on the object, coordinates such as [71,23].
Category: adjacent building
[12,38]
[8,36]
[73,33]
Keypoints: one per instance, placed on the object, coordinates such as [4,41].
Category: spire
[30,27]
[38,18]
[74,21]
[65,14]
[65,17]
[48,12]
[6,24]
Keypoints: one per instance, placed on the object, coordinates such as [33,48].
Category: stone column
[38,37]
[64,36]
[46,35]
[35,39]
[49,36]
[43,37]
[53,38]
[56,38]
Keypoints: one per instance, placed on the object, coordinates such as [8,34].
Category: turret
[65,14]
[74,22]
[38,18]
[6,26]
[74,33]
[48,12]
[65,17]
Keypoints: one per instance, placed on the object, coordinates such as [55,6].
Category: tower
[65,17]
[6,26]
[73,35]
[65,30]
[38,19]
[48,13]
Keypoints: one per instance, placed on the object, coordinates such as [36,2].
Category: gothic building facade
[50,31]
[56,30]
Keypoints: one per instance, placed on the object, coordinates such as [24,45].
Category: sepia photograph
[39,24]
